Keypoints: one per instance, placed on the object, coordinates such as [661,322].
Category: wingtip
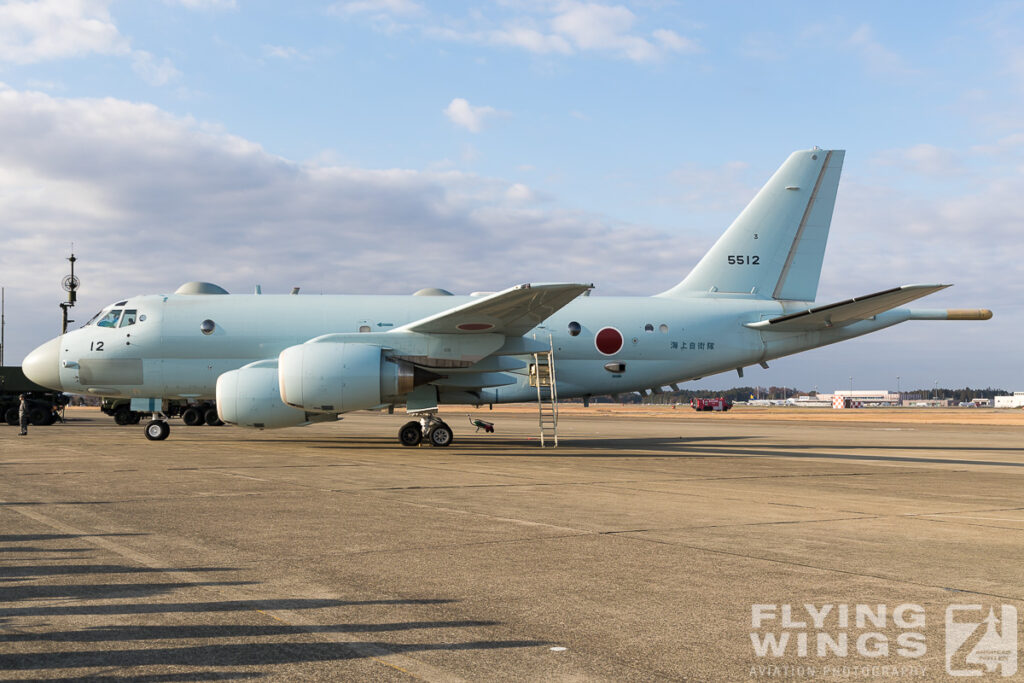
[935,286]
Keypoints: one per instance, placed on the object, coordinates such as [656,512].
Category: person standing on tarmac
[23,414]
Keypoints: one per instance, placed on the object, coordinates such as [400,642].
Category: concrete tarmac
[643,548]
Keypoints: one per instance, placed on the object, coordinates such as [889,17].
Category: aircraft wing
[512,312]
[846,312]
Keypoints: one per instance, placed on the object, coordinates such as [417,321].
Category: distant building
[817,401]
[863,398]
[1015,401]
[928,403]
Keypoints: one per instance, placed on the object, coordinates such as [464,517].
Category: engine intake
[339,377]
[249,397]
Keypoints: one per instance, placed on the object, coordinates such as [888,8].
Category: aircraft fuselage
[166,354]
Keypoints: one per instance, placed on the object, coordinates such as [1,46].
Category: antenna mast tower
[70,284]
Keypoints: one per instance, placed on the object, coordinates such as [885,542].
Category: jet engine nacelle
[249,397]
[337,377]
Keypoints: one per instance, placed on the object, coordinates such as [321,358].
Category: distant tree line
[779,393]
[958,395]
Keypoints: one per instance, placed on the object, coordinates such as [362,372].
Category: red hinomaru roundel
[608,341]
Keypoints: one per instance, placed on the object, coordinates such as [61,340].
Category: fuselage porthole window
[574,329]
[142,318]
[110,319]
[648,327]
[129,317]
[663,328]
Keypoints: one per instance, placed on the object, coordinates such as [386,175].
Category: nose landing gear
[429,428]
[157,429]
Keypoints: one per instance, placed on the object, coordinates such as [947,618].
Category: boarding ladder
[542,376]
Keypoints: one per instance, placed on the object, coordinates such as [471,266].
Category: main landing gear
[429,428]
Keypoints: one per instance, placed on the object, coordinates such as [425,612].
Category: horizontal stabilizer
[512,312]
[846,312]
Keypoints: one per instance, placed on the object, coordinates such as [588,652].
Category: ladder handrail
[548,427]
[554,386]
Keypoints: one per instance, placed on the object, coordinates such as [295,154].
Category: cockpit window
[129,317]
[93,319]
[110,319]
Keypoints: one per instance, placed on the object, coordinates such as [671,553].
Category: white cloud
[377,7]
[519,193]
[32,32]
[565,27]
[386,16]
[878,58]
[725,189]
[284,52]
[463,114]
[529,39]
[55,29]
[153,71]
[925,159]
[675,42]
[36,84]
[153,200]
[1006,144]
[593,26]
[764,47]
[205,4]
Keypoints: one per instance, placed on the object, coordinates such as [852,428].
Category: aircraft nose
[42,366]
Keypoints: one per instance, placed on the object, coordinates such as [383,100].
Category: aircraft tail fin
[775,248]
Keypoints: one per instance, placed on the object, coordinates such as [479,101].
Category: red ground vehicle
[716,404]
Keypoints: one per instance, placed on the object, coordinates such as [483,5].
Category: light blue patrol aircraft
[282,361]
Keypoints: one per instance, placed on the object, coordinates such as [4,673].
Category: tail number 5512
[738,260]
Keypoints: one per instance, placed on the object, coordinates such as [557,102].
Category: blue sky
[363,146]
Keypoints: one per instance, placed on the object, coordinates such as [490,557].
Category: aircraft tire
[193,417]
[157,430]
[440,436]
[212,418]
[11,416]
[37,416]
[135,417]
[410,434]
[123,417]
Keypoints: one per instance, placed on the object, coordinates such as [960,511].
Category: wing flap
[846,312]
[512,312]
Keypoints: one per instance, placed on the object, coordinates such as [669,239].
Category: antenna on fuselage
[70,284]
